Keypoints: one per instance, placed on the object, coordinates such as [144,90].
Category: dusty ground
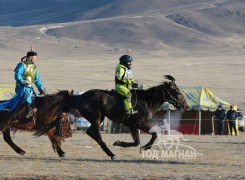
[219,157]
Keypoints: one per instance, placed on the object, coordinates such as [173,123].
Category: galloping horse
[95,105]
[48,108]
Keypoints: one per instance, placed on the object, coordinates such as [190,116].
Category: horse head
[174,95]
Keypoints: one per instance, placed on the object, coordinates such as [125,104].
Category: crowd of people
[220,116]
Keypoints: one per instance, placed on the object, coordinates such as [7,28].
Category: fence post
[169,119]
[213,126]
[108,126]
[200,119]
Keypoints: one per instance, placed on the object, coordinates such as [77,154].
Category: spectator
[219,115]
[231,117]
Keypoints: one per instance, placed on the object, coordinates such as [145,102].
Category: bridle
[173,100]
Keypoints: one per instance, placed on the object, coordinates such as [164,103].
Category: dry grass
[222,158]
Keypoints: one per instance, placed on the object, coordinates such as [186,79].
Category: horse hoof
[62,155]
[142,148]
[22,153]
[117,143]
[113,157]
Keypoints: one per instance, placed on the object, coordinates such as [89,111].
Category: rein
[13,117]
[136,98]
[171,99]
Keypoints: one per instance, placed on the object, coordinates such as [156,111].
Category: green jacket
[123,76]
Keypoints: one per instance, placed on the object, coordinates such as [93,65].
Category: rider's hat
[31,53]
[28,54]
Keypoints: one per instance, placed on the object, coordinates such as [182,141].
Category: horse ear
[71,93]
[169,77]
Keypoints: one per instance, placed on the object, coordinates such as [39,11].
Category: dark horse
[97,104]
[48,108]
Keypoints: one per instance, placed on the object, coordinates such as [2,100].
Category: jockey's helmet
[126,61]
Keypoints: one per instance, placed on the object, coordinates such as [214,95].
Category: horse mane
[152,92]
[52,100]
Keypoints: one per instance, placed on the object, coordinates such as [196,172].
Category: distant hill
[136,24]
[32,12]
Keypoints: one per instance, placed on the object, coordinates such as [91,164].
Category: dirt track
[220,157]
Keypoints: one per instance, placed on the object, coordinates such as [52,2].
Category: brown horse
[48,108]
[97,104]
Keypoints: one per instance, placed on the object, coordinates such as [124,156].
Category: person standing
[231,117]
[219,115]
[26,74]
[123,81]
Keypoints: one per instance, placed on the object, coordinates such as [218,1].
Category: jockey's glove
[25,84]
[45,93]
[135,85]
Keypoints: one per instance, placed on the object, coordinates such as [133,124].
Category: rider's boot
[128,106]
[29,113]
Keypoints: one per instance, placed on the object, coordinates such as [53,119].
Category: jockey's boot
[29,113]
[131,111]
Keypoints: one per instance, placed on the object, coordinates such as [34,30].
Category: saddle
[114,92]
[63,128]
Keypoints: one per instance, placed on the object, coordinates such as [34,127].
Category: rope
[11,120]
[75,127]
[195,124]
[15,114]
[136,98]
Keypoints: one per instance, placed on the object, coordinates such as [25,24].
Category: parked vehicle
[82,123]
[241,121]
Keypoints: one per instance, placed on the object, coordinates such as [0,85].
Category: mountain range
[179,25]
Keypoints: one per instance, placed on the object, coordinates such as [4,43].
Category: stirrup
[134,111]
[131,111]
[31,113]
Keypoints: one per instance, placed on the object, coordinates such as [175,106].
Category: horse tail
[48,127]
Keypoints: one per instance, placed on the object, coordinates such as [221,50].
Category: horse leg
[152,140]
[56,143]
[135,136]
[93,132]
[7,138]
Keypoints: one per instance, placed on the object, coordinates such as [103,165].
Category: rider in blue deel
[26,74]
